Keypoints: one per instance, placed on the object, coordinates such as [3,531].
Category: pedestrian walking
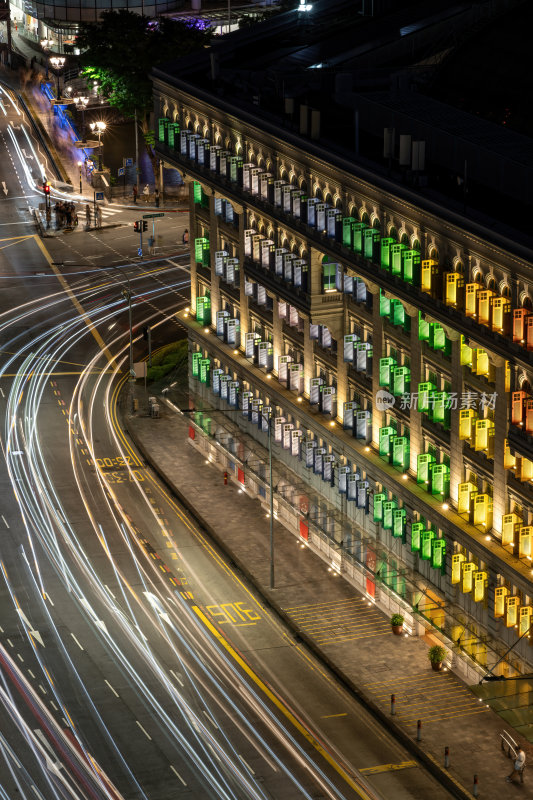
[88,215]
[135,194]
[146,192]
[97,217]
[156,197]
[185,237]
[518,767]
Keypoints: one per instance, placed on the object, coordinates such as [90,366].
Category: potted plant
[396,622]
[436,655]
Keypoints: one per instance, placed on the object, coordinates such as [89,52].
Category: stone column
[456,445]
[243,299]
[416,442]
[377,353]
[501,418]
[277,333]
[192,236]
[315,271]
[309,355]
[214,245]
[342,366]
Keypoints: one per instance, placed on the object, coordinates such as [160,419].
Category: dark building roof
[366,73]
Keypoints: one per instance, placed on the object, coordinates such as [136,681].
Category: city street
[117,671]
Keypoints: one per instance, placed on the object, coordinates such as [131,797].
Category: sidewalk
[345,631]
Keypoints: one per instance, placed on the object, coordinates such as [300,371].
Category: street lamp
[57,62]
[82,103]
[79,167]
[127,294]
[98,128]
[271,500]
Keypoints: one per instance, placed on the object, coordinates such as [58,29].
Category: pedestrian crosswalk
[107,213]
[340,621]
[426,696]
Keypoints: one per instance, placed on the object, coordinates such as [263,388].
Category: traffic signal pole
[139,226]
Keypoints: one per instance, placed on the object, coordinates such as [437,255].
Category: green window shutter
[438,555]
[388,508]
[416,534]
[379,500]
[385,366]
[399,516]
[425,396]
[400,452]
[384,305]
[440,481]
[197,192]
[328,276]
[196,358]
[424,464]
[423,328]
[426,539]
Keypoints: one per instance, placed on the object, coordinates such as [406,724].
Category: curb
[438,772]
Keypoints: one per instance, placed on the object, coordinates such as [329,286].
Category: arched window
[338,202]
[434,254]
[526,303]
[491,283]
[303,185]
[505,290]
[365,218]
[318,193]
[353,212]
[376,223]
[404,239]
[478,276]
[393,233]
[415,245]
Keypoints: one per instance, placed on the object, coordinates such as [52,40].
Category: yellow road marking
[49,374]
[331,716]
[280,705]
[197,534]
[387,768]
[76,303]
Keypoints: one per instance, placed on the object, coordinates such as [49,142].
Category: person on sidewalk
[185,237]
[146,193]
[518,768]
[156,197]
[135,194]
[87,216]
[97,217]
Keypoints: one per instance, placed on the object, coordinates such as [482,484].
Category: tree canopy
[121,49]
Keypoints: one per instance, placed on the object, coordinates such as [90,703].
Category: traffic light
[145,225]
[137,227]
[46,187]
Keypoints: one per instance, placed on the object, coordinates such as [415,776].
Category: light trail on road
[201,719]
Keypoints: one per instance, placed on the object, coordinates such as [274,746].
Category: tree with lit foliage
[119,52]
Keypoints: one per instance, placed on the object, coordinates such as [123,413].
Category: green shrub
[436,654]
[396,620]
[168,359]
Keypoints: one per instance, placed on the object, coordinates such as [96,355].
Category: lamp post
[82,103]
[79,167]
[127,294]
[99,128]
[271,487]
[57,62]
